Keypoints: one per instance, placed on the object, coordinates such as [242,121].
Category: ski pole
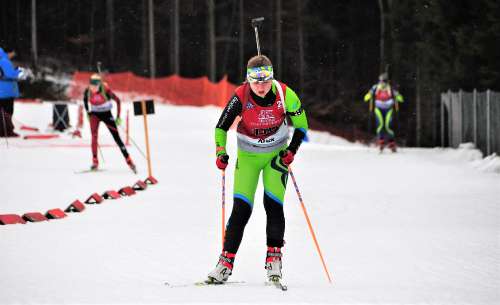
[127,129]
[5,128]
[133,142]
[100,152]
[130,138]
[255,24]
[223,207]
[309,224]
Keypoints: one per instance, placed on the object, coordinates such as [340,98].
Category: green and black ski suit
[262,133]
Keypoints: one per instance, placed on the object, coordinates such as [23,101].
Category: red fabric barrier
[172,89]
[28,100]
[29,128]
[40,136]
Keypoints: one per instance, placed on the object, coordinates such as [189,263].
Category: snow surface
[418,227]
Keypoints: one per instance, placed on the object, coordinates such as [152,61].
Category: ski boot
[223,269]
[381,145]
[273,264]
[131,165]
[95,164]
[392,146]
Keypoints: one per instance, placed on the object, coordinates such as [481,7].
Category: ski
[210,282]
[86,171]
[276,282]
[204,284]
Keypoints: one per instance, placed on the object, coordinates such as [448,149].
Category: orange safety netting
[172,89]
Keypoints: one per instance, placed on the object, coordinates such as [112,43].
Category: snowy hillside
[418,227]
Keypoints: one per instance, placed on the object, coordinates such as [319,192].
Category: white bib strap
[280,92]
[282,97]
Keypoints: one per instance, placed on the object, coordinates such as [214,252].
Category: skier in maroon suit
[97,101]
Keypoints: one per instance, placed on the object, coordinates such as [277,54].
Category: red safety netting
[172,89]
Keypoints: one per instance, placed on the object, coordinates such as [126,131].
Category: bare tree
[145,37]
[278,38]
[175,38]
[92,34]
[382,34]
[152,55]
[242,39]
[18,18]
[211,41]
[111,31]
[386,21]
[418,107]
[300,5]
[65,25]
[34,46]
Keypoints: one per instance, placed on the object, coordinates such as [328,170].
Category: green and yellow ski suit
[262,133]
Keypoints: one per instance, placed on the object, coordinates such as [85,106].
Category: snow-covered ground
[418,227]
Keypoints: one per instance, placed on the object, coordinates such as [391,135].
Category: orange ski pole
[127,141]
[223,207]
[309,224]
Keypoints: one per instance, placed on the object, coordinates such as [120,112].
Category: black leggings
[275,228]
[108,120]
[6,112]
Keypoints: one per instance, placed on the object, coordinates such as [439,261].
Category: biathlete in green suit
[386,99]
[263,104]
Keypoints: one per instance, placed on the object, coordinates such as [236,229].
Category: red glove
[286,157]
[222,161]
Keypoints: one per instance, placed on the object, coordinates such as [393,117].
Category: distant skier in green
[263,104]
[386,99]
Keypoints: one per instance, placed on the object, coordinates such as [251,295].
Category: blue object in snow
[9,77]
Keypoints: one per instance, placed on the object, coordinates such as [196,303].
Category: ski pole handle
[309,224]
[257,21]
